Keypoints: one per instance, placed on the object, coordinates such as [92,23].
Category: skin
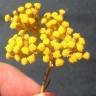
[14,83]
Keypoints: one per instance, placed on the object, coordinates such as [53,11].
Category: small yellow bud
[25,50]
[26,36]
[71,44]
[17,58]
[14,12]
[46,41]
[31,58]
[61,30]
[72,59]
[44,20]
[48,31]
[57,46]
[81,40]
[56,54]
[47,15]
[41,47]
[86,55]
[69,30]
[78,55]
[28,5]
[43,36]
[61,11]
[16,49]
[32,39]
[59,18]
[56,34]
[24,61]
[21,32]
[59,62]
[21,9]
[64,44]
[13,25]
[47,51]
[8,55]
[80,47]
[7,18]
[37,5]
[24,18]
[54,14]
[28,12]
[42,30]
[32,47]
[8,48]
[65,52]
[76,35]
[65,24]
[46,58]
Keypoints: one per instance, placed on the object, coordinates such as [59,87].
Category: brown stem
[46,82]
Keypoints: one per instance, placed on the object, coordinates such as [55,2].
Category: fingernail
[46,94]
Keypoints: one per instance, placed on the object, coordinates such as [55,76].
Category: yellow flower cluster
[59,41]
[56,39]
[25,18]
[22,48]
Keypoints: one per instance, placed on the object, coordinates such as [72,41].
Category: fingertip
[45,94]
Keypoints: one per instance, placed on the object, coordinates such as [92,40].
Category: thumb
[45,94]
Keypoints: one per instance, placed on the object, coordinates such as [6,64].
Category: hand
[15,83]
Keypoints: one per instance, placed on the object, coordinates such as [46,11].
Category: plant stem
[46,82]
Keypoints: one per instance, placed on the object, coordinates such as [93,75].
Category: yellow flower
[17,57]
[46,58]
[41,47]
[76,35]
[43,36]
[54,14]
[61,11]
[25,50]
[81,40]
[59,62]
[46,41]
[59,18]
[69,30]
[7,18]
[28,12]
[8,48]
[86,55]
[32,39]
[56,34]
[66,52]
[21,9]
[71,44]
[57,46]
[24,61]
[61,30]
[65,24]
[31,58]
[56,54]
[28,5]
[13,25]
[47,50]
[8,55]
[16,49]
[24,18]
[32,47]
[37,5]
[78,55]
[80,47]
[44,20]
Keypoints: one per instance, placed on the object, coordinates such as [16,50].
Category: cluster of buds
[59,40]
[22,48]
[25,18]
[56,40]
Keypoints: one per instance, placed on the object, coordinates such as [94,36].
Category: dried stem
[46,82]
